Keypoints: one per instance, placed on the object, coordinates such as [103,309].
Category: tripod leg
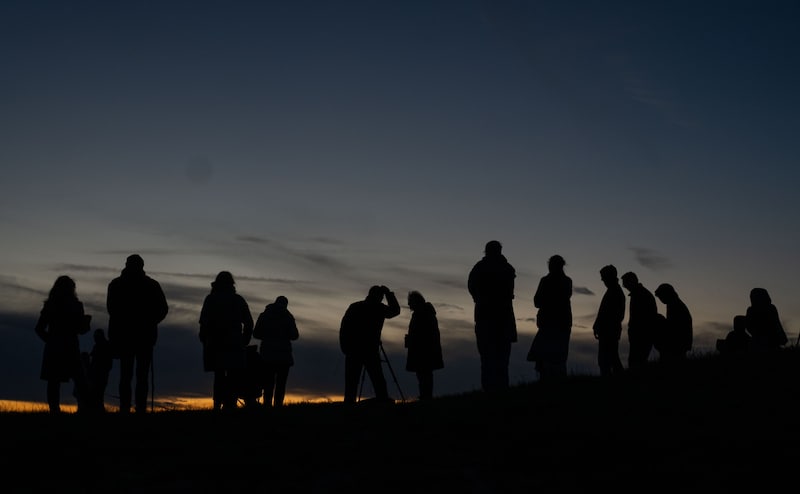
[391,371]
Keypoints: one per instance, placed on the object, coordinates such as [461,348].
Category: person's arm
[247,323]
[393,306]
[41,326]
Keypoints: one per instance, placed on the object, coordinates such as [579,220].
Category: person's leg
[352,373]
[485,358]
[54,395]
[425,380]
[218,391]
[282,375]
[504,358]
[615,363]
[269,385]
[605,355]
[144,359]
[125,377]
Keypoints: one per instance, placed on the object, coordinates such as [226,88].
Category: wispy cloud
[651,259]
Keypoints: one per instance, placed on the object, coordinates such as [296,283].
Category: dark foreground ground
[711,427]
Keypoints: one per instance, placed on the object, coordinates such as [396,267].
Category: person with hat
[226,326]
[136,304]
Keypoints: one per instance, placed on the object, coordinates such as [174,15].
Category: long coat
[136,305]
[59,325]
[276,328]
[423,341]
[226,327]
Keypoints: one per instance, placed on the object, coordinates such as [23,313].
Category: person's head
[608,273]
[493,248]
[556,263]
[63,288]
[630,280]
[739,323]
[282,302]
[223,280]
[415,300]
[134,262]
[375,293]
[759,296]
[665,292]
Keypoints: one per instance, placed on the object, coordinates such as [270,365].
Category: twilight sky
[316,148]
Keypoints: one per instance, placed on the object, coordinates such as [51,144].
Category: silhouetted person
[608,323]
[763,322]
[550,346]
[491,285]
[423,343]
[642,321]
[737,342]
[60,323]
[101,359]
[675,338]
[360,341]
[136,305]
[276,328]
[226,327]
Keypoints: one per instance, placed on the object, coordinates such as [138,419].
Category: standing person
[276,328]
[360,341]
[101,359]
[608,323]
[60,322]
[226,327]
[550,346]
[491,285]
[423,343]
[763,322]
[642,321]
[136,305]
[675,340]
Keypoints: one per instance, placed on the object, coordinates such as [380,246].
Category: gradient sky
[315,148]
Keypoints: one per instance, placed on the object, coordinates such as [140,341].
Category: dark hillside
[710,426]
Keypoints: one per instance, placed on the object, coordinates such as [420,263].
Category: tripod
[384,359]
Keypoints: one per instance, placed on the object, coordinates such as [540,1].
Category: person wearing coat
[136,305]
[550,346]
[360,341]
[60,323]
[226,327]
[764,323]
[276,328]
[491,285]
[423,343]
[675,339]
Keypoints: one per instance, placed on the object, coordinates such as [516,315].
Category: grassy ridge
[711,425]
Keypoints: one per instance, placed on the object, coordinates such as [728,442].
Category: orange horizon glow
[162,404]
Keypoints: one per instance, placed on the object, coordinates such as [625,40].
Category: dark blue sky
[316,148]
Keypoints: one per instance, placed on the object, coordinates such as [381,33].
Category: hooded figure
[226,327]
[423,343]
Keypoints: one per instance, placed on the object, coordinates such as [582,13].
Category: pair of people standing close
[671,335]
[136,305]
[226,327]
[360,341]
